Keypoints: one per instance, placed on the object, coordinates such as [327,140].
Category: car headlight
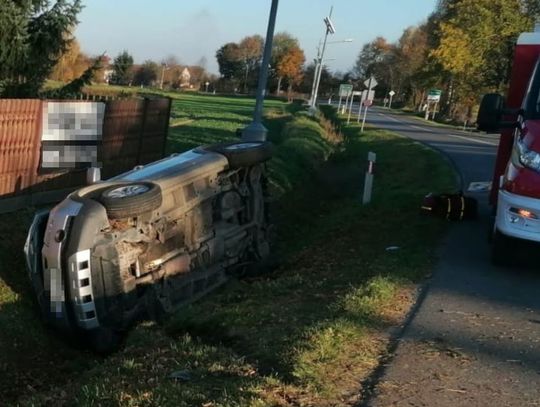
[523,157]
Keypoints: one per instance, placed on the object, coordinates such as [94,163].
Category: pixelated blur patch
[71,135]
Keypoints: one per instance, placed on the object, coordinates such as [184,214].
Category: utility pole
[318,63]
[329,30]
[163,65]
[256,131]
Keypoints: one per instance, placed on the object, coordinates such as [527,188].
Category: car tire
[244,153]
[130,200]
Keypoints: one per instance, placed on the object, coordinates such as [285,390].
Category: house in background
[185,78]
[107,75]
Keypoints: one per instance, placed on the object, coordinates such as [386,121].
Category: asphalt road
[474,337]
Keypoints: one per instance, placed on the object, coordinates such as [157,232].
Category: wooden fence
[134,133]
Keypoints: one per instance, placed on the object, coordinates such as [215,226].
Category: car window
[532,96]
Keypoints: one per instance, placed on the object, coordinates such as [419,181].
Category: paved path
[474,339]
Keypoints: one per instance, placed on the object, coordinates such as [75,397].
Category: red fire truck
[515,194]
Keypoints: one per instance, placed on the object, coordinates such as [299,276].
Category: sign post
[345,90]
[370,93]
[366,104]
[433,97]
[355,93]
[391,93]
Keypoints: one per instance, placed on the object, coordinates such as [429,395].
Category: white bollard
[368,180]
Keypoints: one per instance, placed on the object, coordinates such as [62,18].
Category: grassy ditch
[306,334]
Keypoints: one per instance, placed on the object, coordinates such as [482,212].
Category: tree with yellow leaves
[71,64]
[290,67]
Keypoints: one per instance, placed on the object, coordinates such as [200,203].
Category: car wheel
[243,154]
[129,200]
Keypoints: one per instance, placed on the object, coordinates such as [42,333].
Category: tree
[329,81]
[281,45]
[71,64]
[250,53]
[198,74]
[171,69]
[73,88]
[290,66]
[123,69]
[146,74]
[371,57]
[476,46]
[377,58]
[33,36]
[229,61]
[411,63]
[100,74]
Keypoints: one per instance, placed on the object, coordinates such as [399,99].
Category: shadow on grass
[292,324]
[32,358]
[332,250]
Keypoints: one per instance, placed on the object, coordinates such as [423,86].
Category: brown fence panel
[154,134]
[121,133]
[134,132]
[20,142]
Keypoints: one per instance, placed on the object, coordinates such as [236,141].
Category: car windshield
[532,99]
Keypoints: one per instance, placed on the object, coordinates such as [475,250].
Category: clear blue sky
[194,29]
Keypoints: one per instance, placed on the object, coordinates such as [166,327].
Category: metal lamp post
[329,30]
[256,131]
[318,71]
[163,68]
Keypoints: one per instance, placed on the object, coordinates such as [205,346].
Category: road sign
[434,95]
[367,102]
[370,83]
[366,95]
[345,90]
[391,93]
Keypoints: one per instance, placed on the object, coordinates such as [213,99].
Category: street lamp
[320,55]
[329,30]
[318,69]
[163,68]
[256,131]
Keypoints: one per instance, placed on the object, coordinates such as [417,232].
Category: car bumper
[60,269]
[510,223]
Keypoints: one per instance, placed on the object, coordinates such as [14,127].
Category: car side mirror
[490,113]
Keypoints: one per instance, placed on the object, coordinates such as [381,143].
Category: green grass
[304,335]
[206,119]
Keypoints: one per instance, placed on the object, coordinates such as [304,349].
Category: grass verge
[304,335]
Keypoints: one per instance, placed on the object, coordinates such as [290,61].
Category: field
[309,333]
